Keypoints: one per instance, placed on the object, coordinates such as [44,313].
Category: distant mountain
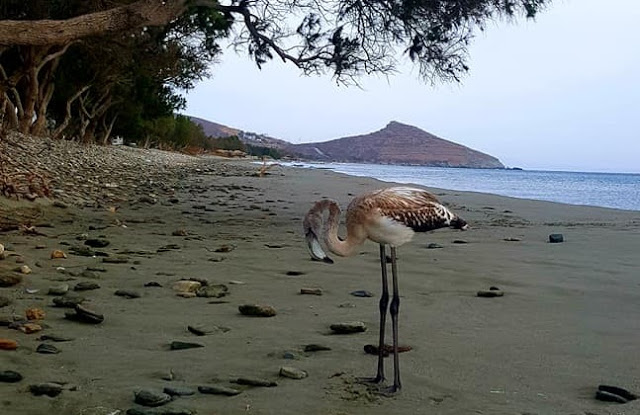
[397,144]
[218,130]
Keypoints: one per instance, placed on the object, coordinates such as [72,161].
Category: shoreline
[565,321]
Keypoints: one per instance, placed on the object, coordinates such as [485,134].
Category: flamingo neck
[346,247]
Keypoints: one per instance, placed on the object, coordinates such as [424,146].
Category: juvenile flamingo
[389,217]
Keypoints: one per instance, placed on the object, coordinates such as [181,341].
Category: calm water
[615,190]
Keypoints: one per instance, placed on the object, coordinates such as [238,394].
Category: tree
[345,38]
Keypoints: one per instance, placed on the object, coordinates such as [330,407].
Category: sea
[612,190]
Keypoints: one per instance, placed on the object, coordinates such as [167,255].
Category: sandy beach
[568,320]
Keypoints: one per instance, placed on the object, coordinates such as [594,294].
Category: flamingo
[388,216]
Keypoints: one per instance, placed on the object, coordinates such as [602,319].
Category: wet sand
[568,320]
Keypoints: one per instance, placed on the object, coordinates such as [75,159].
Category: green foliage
[263,151]
[228,143]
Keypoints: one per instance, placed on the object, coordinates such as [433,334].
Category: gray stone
[50,389]
[257,310]
[203,330]
[179,345]
[46,348]
[148,397]
[256,382]
[434,246]
[212,291]
[556,238]
[67,302]
[349,327]
[86,286]
[9,376]
[60,289]
[218,390]
[127,294]
[292,372]
[362,293]
[178,391]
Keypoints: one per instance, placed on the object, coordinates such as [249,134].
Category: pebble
[9,280]
[85,315]
[294,273]
[25,269]
[115,260]
[311,291]
[34,314]
[556,238]
[67,302]
[148,397]
[186,286]
[9,376]
[347,305]
[8,344]
[218,390]
[86,286]
[213,291]
[290,356]
[180,232]
[50,389]
[615,394]
[434,246]
[180,345]
[55,338]
[257,310]
[161,411]
[362,293]
[178,391]
[127,294]
[491,292]
[316,348]
[97,243]
[153,284]
[256,382]
[58,254]
[512,239]
[348,327]
[203,330]
[89,274]
[60,289]
[46,348]
[460,241]
[4,301]
[29,328]
[292,372]
[225,248]
[386,350]
[186,294]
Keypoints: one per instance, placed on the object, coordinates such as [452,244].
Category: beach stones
[348,327]
[311,291]
[362,293]
[490,293]
[58,254]
[257,310]
[97,243]
[617,394]
[50,389]
[86,286]
[127,294]
[556,238]
[316,348]
[45,348]
[203,330]
[34,314]
[180,345]
[9,376]
[212,291]
[60,289]
[292,372]
[386,350]
[28,328]
[148,397]
[218,390]
[186,286]
[67,302]
[434,246]
[256,382]
[8,344]
[85,315]
[9,280]
[178,391]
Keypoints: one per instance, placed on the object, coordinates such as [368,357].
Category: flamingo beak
[315,249]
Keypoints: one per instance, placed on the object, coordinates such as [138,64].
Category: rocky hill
[397,144]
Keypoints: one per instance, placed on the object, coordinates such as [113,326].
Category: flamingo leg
[384,303]
[395,309]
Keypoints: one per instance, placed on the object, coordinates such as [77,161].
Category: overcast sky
[559,93]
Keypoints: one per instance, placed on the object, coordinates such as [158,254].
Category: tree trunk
[56,32]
